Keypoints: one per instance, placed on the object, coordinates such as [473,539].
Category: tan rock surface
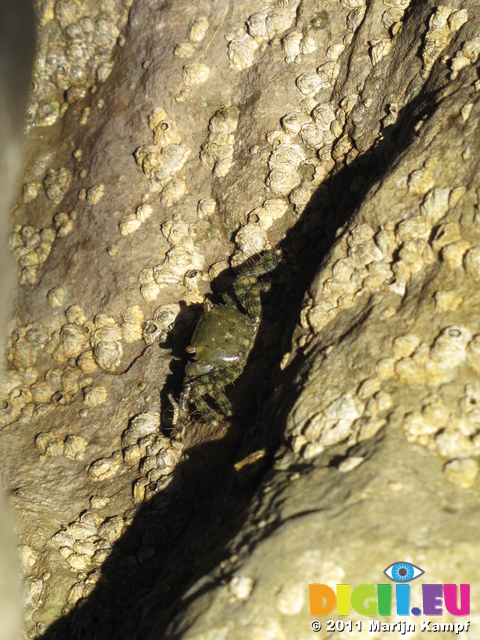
[344,135]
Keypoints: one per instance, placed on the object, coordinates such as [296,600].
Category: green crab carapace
[223,339]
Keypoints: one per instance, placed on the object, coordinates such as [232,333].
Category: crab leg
[211,383]
[248,292]
[246,287]
[202,406]
[222,400]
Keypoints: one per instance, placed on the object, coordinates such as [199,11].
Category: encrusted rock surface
[192,136]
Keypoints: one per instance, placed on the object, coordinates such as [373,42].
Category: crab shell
[222,337]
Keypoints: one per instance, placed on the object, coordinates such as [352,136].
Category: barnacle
[56,183]
[291,44]
[74,448]
[441,29]
[161,163]
[103,469]
[143,212]
[270,211]
[380,48]
[174,191]
[198,29]
[184,50]
[73,340]
[164,128]
[309,83]
[292,122]
[257,25]
[251,239]
[217,152]
[95,193]
[107,354]
[94,395]
[132,323]
[282,181]
[86,361]
[128,224]
[206,208]
[195,73]
[241,51]
[436,204]
[150,291]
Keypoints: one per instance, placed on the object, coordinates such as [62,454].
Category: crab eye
[403,571]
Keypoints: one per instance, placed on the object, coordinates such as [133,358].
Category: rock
[346,137]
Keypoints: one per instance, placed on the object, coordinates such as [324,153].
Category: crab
[222,341]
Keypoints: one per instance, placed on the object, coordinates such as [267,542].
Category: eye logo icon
[403,571]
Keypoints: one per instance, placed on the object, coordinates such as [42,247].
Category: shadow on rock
[184,531]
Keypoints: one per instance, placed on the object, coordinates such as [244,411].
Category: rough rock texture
[343,133]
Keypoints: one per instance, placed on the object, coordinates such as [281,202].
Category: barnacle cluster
[442,27]
[296,44]
[95,193]
[311,82]
[252,238]
[31,247]
[74,52]
[452,431]
[77,348]
[163,159]
[34,589]
[217,152]
[84,545]
[197,30]
[284,163]
[160,164]
[49,445]
[262,27]
[156,455]
[467,55]
[390,256]
[357,415]
[56,183]
[193,73]
[347,418]
[106,341]
[87,542]
[64,223]
[105,468]
[312,136]
[179,260]
[293,172]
